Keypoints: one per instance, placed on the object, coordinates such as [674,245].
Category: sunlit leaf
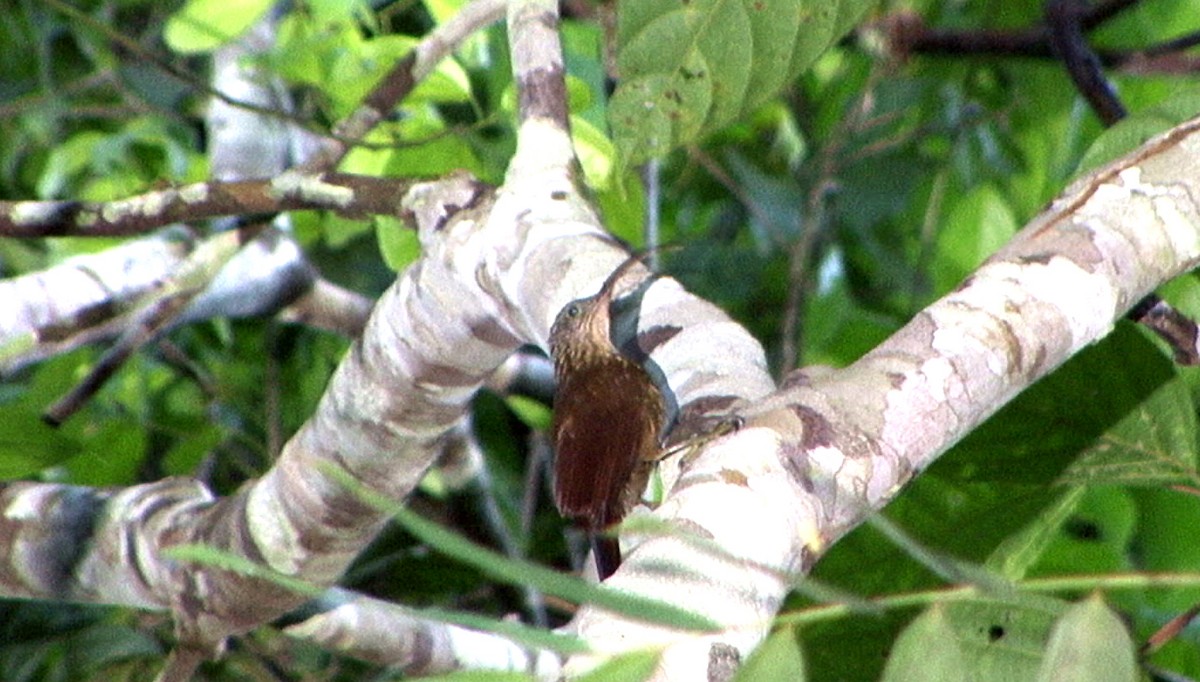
[779,658]
[1089,644]
[201,25]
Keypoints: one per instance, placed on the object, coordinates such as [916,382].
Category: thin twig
[401,79]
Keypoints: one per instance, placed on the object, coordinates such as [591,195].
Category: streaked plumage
[608,419]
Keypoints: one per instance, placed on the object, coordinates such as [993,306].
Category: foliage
[798,163]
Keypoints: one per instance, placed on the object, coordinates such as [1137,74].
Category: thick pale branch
[90,298]
[820,456]
[394,636]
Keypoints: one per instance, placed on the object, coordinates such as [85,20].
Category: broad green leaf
[1013,558]
[1139,127]
[1089,644]
[1129,419]
[998,640]
[1095,538]
[818,28]
[595,152]
[849,14]
[975,227]
[397,242]
[1152,444]
[202,25]
[780,658]
[635,666]
[28,445]
[927,650]
[689,68]
[1165,516]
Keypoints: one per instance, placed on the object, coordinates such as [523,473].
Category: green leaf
[634,666]
[689,68]
[1163,517]
[1095,538]
[1014,557]
[28,445]
[534,413]
[778,659]
[997,639]
[397,242]
[1089,644]
[202,25]
[595,152]
[1139,127]
[927,650]
[975,227]
[1154,443]
[849,14]
[1130,420]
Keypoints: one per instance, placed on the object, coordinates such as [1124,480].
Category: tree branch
[351,196]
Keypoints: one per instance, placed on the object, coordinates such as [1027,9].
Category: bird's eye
[573,310]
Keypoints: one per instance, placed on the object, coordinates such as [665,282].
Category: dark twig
[1170,631]
[147,323]
[1091,17]
[1064,18]
[1174,45]
[1178,330]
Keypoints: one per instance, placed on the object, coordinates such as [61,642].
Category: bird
[612,411]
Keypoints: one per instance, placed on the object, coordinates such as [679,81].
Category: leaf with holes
[689,67]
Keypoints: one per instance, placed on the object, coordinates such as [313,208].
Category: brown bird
[610,414]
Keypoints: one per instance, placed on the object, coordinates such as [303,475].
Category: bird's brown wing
[601,430]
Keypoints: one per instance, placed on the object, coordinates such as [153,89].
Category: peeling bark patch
[1016,356]
[74,519]
[431,205]
[700,417]
[723,661]
[87,317]
[292,184]
[1036,259]
[709,405]
[422,650]
[443,375]
[734,477]
[1039,361]
[656,336]
[489,330]
[694,529]
[796,378]
[543,93]
[895,379]
[818,432]
[796,464]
